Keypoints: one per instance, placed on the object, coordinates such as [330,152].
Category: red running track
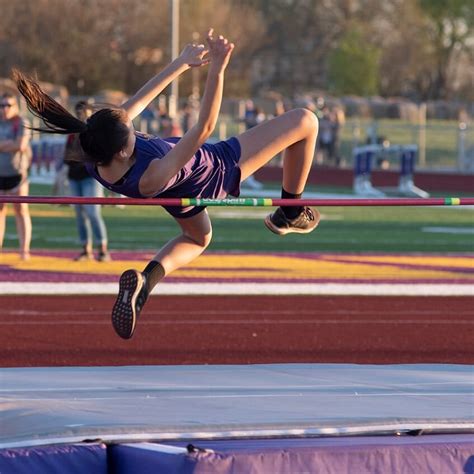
[75,330]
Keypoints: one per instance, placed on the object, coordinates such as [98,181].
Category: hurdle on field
[246,202]
[363,162]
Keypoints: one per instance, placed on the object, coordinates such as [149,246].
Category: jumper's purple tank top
[213,172]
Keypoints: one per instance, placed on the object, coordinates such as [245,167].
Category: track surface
[73,330]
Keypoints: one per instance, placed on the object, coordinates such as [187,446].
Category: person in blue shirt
[135,165]
[90,224]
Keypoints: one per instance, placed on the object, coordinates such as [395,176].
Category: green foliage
[444,9]
[451,27]
[353,66]
[288,46]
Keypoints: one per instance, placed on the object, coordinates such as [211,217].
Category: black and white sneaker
[130,300]
[304,223]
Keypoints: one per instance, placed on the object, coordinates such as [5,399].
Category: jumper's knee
[307,120]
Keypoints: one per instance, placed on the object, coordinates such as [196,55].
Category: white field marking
[74,240]
[8,236]
[183,289]
[272,322]
[121,232]
[61,239]
[449,230]
[145,246]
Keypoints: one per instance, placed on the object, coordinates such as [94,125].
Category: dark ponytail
[56,118]
[105,133]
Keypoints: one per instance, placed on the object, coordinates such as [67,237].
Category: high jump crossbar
[246,202]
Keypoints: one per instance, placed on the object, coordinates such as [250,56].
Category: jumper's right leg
[294,133]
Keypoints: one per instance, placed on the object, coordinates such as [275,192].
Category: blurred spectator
[149,120]
[61,181]
[279,108]
[328,137]
[319,106]
[189,115]
[168,127]
[252,116]
[15,160]
[162,110]
[88,216]
[463,116]
[148,113]
[338,120]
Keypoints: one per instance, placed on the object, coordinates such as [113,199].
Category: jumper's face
[8,108]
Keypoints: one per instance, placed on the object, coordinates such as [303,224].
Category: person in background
[169,127]
[279,108]
[325,137]
[15,160]
[88,216]
[148,121]
[338,120]
[189,115]
[252,117]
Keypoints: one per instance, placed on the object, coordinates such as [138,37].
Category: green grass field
[356,229]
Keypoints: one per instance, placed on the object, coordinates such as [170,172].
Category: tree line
[419,49]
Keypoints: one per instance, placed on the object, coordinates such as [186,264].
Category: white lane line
[252,288]
[448,230]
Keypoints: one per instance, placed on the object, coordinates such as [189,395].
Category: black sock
[154,272]
[291,212]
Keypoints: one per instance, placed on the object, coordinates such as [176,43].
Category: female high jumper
[138,166]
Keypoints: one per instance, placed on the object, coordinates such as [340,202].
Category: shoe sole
[290,230]
[124,315]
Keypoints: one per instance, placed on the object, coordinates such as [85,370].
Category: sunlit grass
[355,229]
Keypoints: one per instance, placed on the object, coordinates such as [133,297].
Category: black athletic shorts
[8,183]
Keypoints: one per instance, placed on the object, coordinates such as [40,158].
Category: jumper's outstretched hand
[194,55]
[220,50]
